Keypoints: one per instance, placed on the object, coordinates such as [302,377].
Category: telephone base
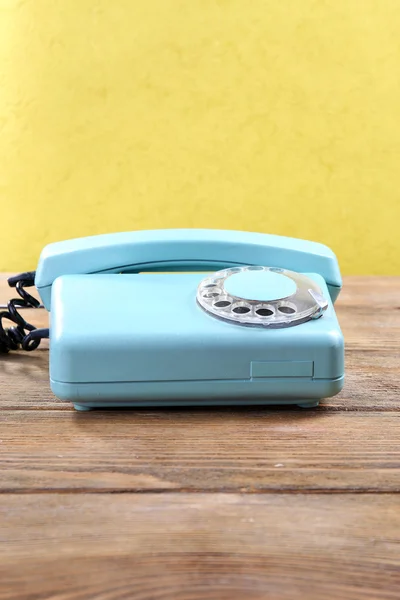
[164,350]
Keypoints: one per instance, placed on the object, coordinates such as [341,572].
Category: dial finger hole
[264,312]
[241,310]
[234,270]
[287,309]
[222,303]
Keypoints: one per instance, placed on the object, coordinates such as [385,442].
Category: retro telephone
[191,317]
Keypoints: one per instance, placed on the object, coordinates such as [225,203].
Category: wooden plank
[61,542]
[372,382]
[251,450]
[369,313]
[202,546]
[24,382]
[368,310]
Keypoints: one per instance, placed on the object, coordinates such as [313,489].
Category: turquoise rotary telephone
[192,317]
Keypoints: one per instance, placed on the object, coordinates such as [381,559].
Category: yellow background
[265,115]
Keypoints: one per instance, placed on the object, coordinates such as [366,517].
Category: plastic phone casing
[141,340]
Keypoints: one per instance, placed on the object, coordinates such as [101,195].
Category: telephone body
[192,317]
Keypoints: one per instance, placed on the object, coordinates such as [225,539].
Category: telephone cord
[22,334]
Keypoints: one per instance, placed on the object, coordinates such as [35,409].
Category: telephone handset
[197,317]
[182,249]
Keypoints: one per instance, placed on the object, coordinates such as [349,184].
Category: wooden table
[223,504]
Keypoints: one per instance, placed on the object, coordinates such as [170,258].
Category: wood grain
[251,450]
[225,503]
[200,546]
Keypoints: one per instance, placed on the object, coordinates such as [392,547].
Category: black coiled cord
[24,335]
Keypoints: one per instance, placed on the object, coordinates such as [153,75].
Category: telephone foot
[308,404]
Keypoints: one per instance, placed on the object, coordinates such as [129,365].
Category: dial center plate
[260,285]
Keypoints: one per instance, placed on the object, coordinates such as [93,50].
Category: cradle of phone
[126,331]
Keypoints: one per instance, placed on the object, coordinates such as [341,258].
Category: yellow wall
[280,116]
